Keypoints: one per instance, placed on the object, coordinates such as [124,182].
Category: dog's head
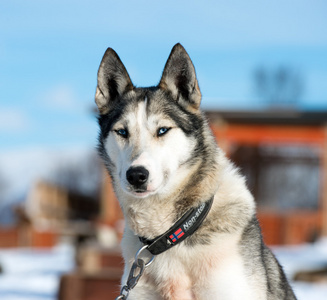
[149,137]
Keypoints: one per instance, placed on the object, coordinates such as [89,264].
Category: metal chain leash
[135,273]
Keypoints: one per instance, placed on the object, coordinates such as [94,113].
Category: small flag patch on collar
[176,235]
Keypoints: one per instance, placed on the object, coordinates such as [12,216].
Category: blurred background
[262,69]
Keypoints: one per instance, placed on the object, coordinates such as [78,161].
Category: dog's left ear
[179,78]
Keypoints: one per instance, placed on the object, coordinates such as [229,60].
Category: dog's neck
[183,228]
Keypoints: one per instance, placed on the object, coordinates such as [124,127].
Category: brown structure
[39,224]
[29,236]
[110,209]
[90,286]
[285,140]
[97,277]
[50,213]
[47,206]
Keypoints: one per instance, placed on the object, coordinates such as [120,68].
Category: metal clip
[133,277]
[121,297]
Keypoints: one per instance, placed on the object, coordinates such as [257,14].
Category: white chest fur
[203,272]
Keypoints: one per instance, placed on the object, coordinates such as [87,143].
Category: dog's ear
[179,78]
[113,81]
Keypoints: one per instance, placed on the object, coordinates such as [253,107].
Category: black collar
[183,228]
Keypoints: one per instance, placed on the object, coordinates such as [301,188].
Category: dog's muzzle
[137,177]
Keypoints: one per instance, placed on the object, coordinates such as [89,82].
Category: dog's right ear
[113,81]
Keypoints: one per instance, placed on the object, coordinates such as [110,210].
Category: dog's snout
[137,176]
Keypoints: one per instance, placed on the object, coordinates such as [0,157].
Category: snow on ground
[34,274]
[304,258]
[305,291]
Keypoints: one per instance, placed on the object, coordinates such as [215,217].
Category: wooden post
[324,185]
[110,209]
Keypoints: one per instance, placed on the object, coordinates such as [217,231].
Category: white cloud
[14,120]
[61,97]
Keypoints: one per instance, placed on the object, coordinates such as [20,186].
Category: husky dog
[163,161]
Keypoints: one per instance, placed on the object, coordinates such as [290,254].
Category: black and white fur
[163,160]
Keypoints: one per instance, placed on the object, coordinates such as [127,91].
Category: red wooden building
[284,157]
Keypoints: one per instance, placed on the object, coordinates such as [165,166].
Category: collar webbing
[183,228]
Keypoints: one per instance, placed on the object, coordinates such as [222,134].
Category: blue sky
[50,52]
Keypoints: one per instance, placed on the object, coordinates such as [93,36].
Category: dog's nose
[137,176]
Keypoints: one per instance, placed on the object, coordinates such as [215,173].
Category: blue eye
[122,132]
[162,130]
